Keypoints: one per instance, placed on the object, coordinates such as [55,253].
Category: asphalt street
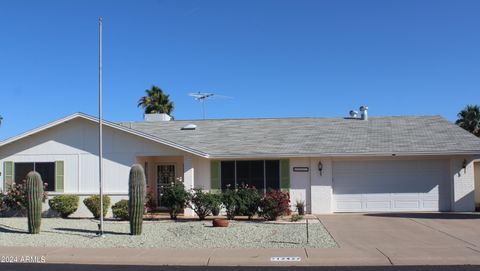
[68,267]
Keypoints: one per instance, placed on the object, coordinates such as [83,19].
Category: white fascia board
[332,155]
[105,123]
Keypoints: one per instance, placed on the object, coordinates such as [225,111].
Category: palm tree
[156,101]
[1,120]
[469,119]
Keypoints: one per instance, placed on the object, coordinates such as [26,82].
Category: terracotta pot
[220,223]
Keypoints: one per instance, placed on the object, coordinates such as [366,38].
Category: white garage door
[391,185]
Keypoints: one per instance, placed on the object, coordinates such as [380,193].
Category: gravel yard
[57,232]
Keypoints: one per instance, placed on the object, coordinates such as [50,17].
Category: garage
[391,185]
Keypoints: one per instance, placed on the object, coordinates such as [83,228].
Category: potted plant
[300,205]
[220,222]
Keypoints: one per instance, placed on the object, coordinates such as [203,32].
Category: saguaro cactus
[34,193]
[136,202]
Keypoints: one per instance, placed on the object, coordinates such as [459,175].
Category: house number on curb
[285,259]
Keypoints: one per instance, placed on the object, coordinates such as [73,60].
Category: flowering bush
[15,199]
[175,198]
[274,204]
[150,199]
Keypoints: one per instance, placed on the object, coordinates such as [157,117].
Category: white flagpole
[100,132]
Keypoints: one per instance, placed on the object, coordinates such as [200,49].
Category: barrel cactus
[136,203]
[34,194]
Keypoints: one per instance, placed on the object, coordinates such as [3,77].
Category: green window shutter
[285,175]
[59,176]
[215,176]
[8,175]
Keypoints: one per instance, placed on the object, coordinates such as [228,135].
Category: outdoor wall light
[464,165]
[320,167]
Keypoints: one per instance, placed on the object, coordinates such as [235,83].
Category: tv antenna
[202,96]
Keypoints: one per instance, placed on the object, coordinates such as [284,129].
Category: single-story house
[353,164]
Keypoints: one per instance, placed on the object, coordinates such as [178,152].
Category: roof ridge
[285,118]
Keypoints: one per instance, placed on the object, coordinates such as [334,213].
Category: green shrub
[175,198]
[296,217]
[93,205]
[65,205]
[120,210]
[274,204]
[202,202]
[249,200]
[232,203]
[216,204]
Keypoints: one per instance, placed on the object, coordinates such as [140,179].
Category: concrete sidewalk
[363,240]
[200,257]
[358,256]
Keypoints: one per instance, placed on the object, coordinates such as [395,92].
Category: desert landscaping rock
[56,232]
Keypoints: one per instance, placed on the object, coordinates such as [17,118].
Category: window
[45,169]
[21,171]
[228,174]
[272,174]
[262,174]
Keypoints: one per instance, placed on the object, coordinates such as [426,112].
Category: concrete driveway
[408,238]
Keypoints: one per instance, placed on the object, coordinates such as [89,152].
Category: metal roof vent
[190,126]
[353,114]
[364,110]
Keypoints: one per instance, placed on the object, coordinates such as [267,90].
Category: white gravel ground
[57,232]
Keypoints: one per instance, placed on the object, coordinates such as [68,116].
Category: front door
[165,177]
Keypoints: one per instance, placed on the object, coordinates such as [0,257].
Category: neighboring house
[381,164]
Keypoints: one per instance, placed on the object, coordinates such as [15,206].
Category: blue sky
[276,58]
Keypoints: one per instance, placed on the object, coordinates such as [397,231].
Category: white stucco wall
[321,186]
[463,194]
[202,172]
[462,182]
[76,143]
[300,183]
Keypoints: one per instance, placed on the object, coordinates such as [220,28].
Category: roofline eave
[339,155]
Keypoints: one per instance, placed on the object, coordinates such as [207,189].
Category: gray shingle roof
[316,136]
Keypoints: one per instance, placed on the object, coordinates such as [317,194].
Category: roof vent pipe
[364,110]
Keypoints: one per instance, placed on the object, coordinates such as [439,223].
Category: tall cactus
[34,193]
[136,203]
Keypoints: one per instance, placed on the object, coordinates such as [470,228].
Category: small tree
[175,198]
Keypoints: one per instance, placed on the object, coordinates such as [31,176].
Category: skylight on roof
[190,126]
